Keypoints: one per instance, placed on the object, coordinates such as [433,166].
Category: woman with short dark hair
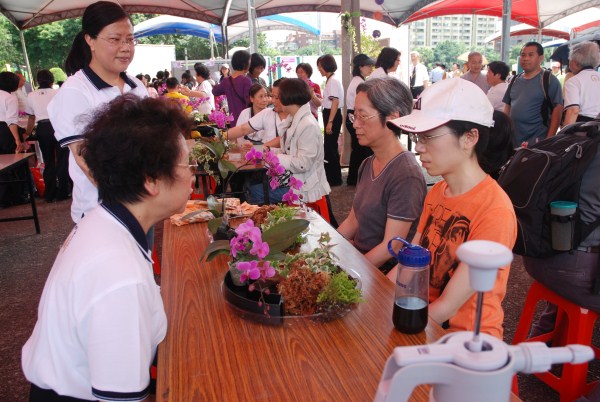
[361,70]
[257,66]
[101,315]
[387,62]
[236,87]
[333,103]
[302,152]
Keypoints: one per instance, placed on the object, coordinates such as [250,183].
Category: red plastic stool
[156,262]
[203,183]
[574,325]
[321,208]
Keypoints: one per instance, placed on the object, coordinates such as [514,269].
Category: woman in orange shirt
[451,126]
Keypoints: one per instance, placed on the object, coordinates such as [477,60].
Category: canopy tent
[29,13]
[168,25]
[537,13]
[562,52]
[524,29]
[567,28]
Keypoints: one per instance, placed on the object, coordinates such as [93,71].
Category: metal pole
[252,26]
[211,40]
[505,44]
[25,56]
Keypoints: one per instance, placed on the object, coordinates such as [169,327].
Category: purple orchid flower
[260,249]
[254,156]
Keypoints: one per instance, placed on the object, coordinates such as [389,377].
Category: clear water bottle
[412,287]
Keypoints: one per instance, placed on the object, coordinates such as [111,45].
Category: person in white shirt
[56,158]
[96,65]
[10,141]
[419,77]
[203,90]
[333,103]
[387,62]
[496,78]
[582,91]
[302,153]
[363,67]
[101,315]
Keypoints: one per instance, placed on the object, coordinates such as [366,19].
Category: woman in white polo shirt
[101,316]
[333,103]
[100,54]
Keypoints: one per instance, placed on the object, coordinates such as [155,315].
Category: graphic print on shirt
[444,231]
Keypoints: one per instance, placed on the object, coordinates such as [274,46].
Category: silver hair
[473,54]
[585,54]
[415,53]
[388,95]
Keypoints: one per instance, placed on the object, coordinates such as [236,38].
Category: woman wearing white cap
[451,126]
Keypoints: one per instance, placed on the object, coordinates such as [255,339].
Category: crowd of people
[122,140]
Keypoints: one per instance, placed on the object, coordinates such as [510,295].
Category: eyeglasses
[120,42]
[356,117]
[422,139]
[192,167]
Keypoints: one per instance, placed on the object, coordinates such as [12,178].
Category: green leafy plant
[341,288]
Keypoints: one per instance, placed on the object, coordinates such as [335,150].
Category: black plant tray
[246,303]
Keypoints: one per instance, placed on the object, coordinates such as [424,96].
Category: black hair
[9,82]
[131,139]
[256,60]
[240,60]
[539,48]
[495,144]
[172,82]
[160,75]
[202,70]
[186,76]
[166,73]
[139,76]
[148,78]
[327,62]
[499,67]
[277,82]
[358,62]
[387,58]
[294,91]
[45,79]
[95,17]
[307,68]
[253,91]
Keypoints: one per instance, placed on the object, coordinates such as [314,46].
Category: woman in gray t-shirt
[391,187]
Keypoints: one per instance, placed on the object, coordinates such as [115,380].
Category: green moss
[342,289]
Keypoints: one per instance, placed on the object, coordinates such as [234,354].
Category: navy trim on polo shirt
[122,214]
[120,396]
[99,83]
[69,140]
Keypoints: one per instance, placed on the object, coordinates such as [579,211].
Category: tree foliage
[10,51]
[369,45]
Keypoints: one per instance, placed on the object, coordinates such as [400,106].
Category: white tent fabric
[29,13]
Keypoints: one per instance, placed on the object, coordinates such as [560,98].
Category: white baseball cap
[451,99]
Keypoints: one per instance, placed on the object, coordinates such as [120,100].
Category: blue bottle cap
[414,256]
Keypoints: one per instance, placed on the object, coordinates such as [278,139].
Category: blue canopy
[167,25]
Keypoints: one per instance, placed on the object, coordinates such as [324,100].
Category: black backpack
[548,171]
